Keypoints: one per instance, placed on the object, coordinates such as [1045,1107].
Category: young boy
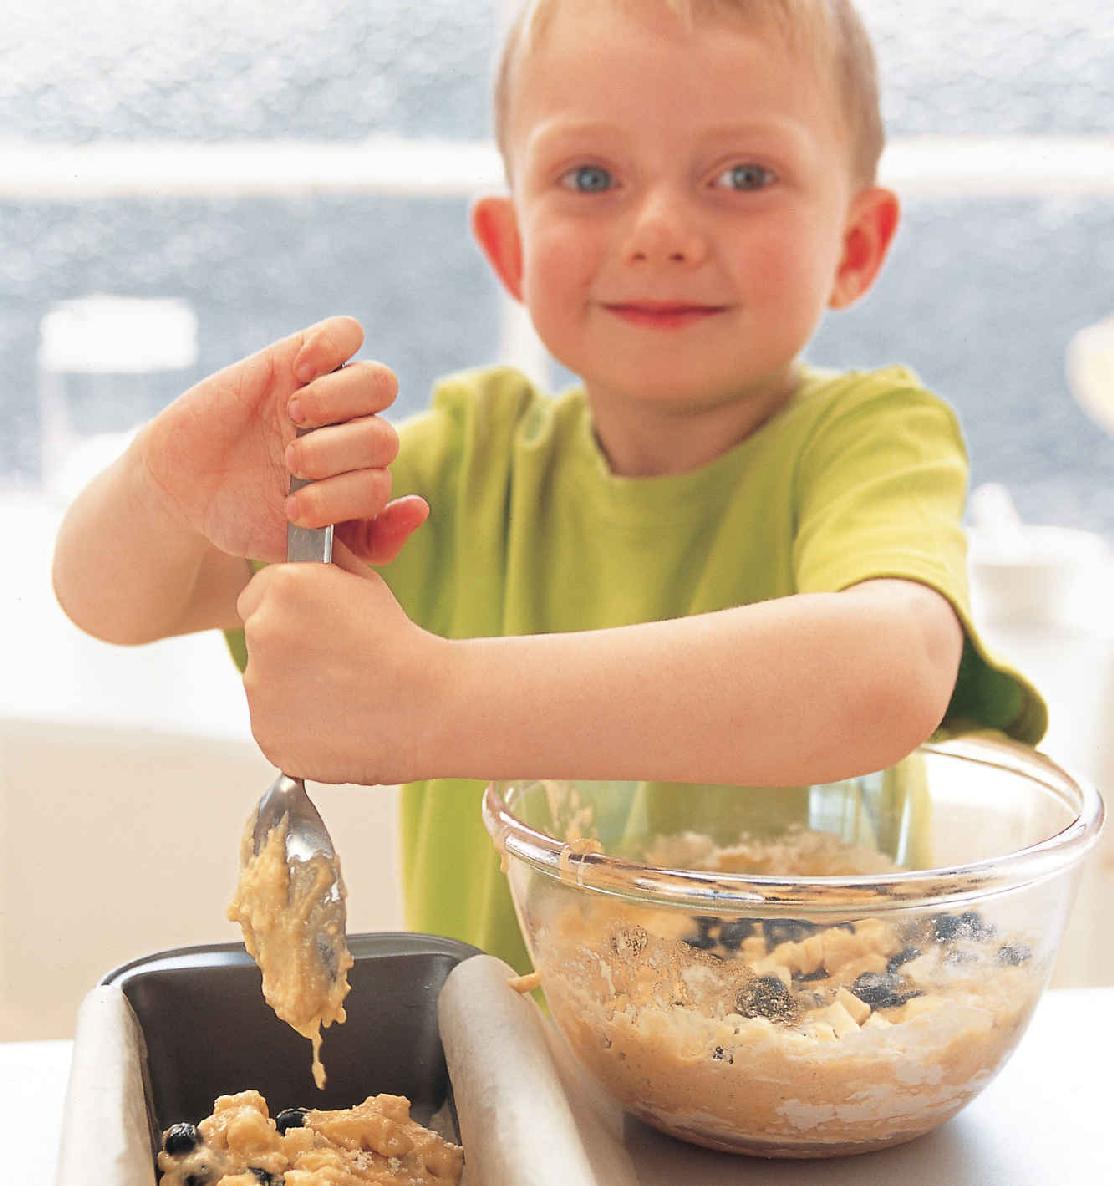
[708,563]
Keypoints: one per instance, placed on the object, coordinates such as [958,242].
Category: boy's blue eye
[745,177]
[587,179]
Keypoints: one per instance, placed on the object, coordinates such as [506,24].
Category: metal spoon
[307,838]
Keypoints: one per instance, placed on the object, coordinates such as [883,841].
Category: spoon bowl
[309,850]
[306,835]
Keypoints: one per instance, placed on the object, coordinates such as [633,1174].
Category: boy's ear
[495,225]
[871,225]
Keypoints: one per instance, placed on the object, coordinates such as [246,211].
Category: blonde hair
[831,31]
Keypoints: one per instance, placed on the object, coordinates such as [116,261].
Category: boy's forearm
[126,571]
[799,690]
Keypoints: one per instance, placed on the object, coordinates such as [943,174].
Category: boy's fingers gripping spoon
[290,900]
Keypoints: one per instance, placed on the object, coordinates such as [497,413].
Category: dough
[786,1036]
[240,1145]
[295,935]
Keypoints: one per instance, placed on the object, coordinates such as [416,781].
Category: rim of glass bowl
[722,892]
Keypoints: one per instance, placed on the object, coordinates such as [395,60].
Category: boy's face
[680,203]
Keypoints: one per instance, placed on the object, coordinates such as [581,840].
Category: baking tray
[208,1031]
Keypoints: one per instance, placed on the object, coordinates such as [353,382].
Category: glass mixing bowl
[799,972]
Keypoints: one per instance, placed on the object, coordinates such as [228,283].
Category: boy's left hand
[340,683]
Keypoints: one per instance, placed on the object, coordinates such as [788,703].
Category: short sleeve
[881,485]
[880,491]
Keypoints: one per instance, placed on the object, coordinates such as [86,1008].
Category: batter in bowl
[784,1036]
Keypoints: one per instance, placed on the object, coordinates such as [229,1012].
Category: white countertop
[1045,1121]
[33,1077]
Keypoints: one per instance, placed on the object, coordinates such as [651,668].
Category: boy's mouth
[663,314]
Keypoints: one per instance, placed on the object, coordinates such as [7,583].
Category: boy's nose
[664,232]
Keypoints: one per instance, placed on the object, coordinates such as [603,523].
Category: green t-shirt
[862,475]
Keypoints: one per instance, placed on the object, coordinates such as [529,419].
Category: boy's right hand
[220,456]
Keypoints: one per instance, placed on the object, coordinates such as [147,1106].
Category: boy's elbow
[909,716]
[885,723]
[116,629]
[911,696]
[61,587]
[915,664]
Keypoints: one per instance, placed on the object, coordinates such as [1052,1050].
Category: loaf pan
[208,1031]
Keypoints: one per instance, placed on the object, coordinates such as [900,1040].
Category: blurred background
[183,181]
[228,156]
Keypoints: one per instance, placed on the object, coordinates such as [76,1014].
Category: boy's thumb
[379,540]
[345,558]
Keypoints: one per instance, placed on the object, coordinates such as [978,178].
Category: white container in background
[1026,574]
[1043,598]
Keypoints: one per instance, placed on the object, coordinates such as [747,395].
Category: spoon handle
[308,543]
